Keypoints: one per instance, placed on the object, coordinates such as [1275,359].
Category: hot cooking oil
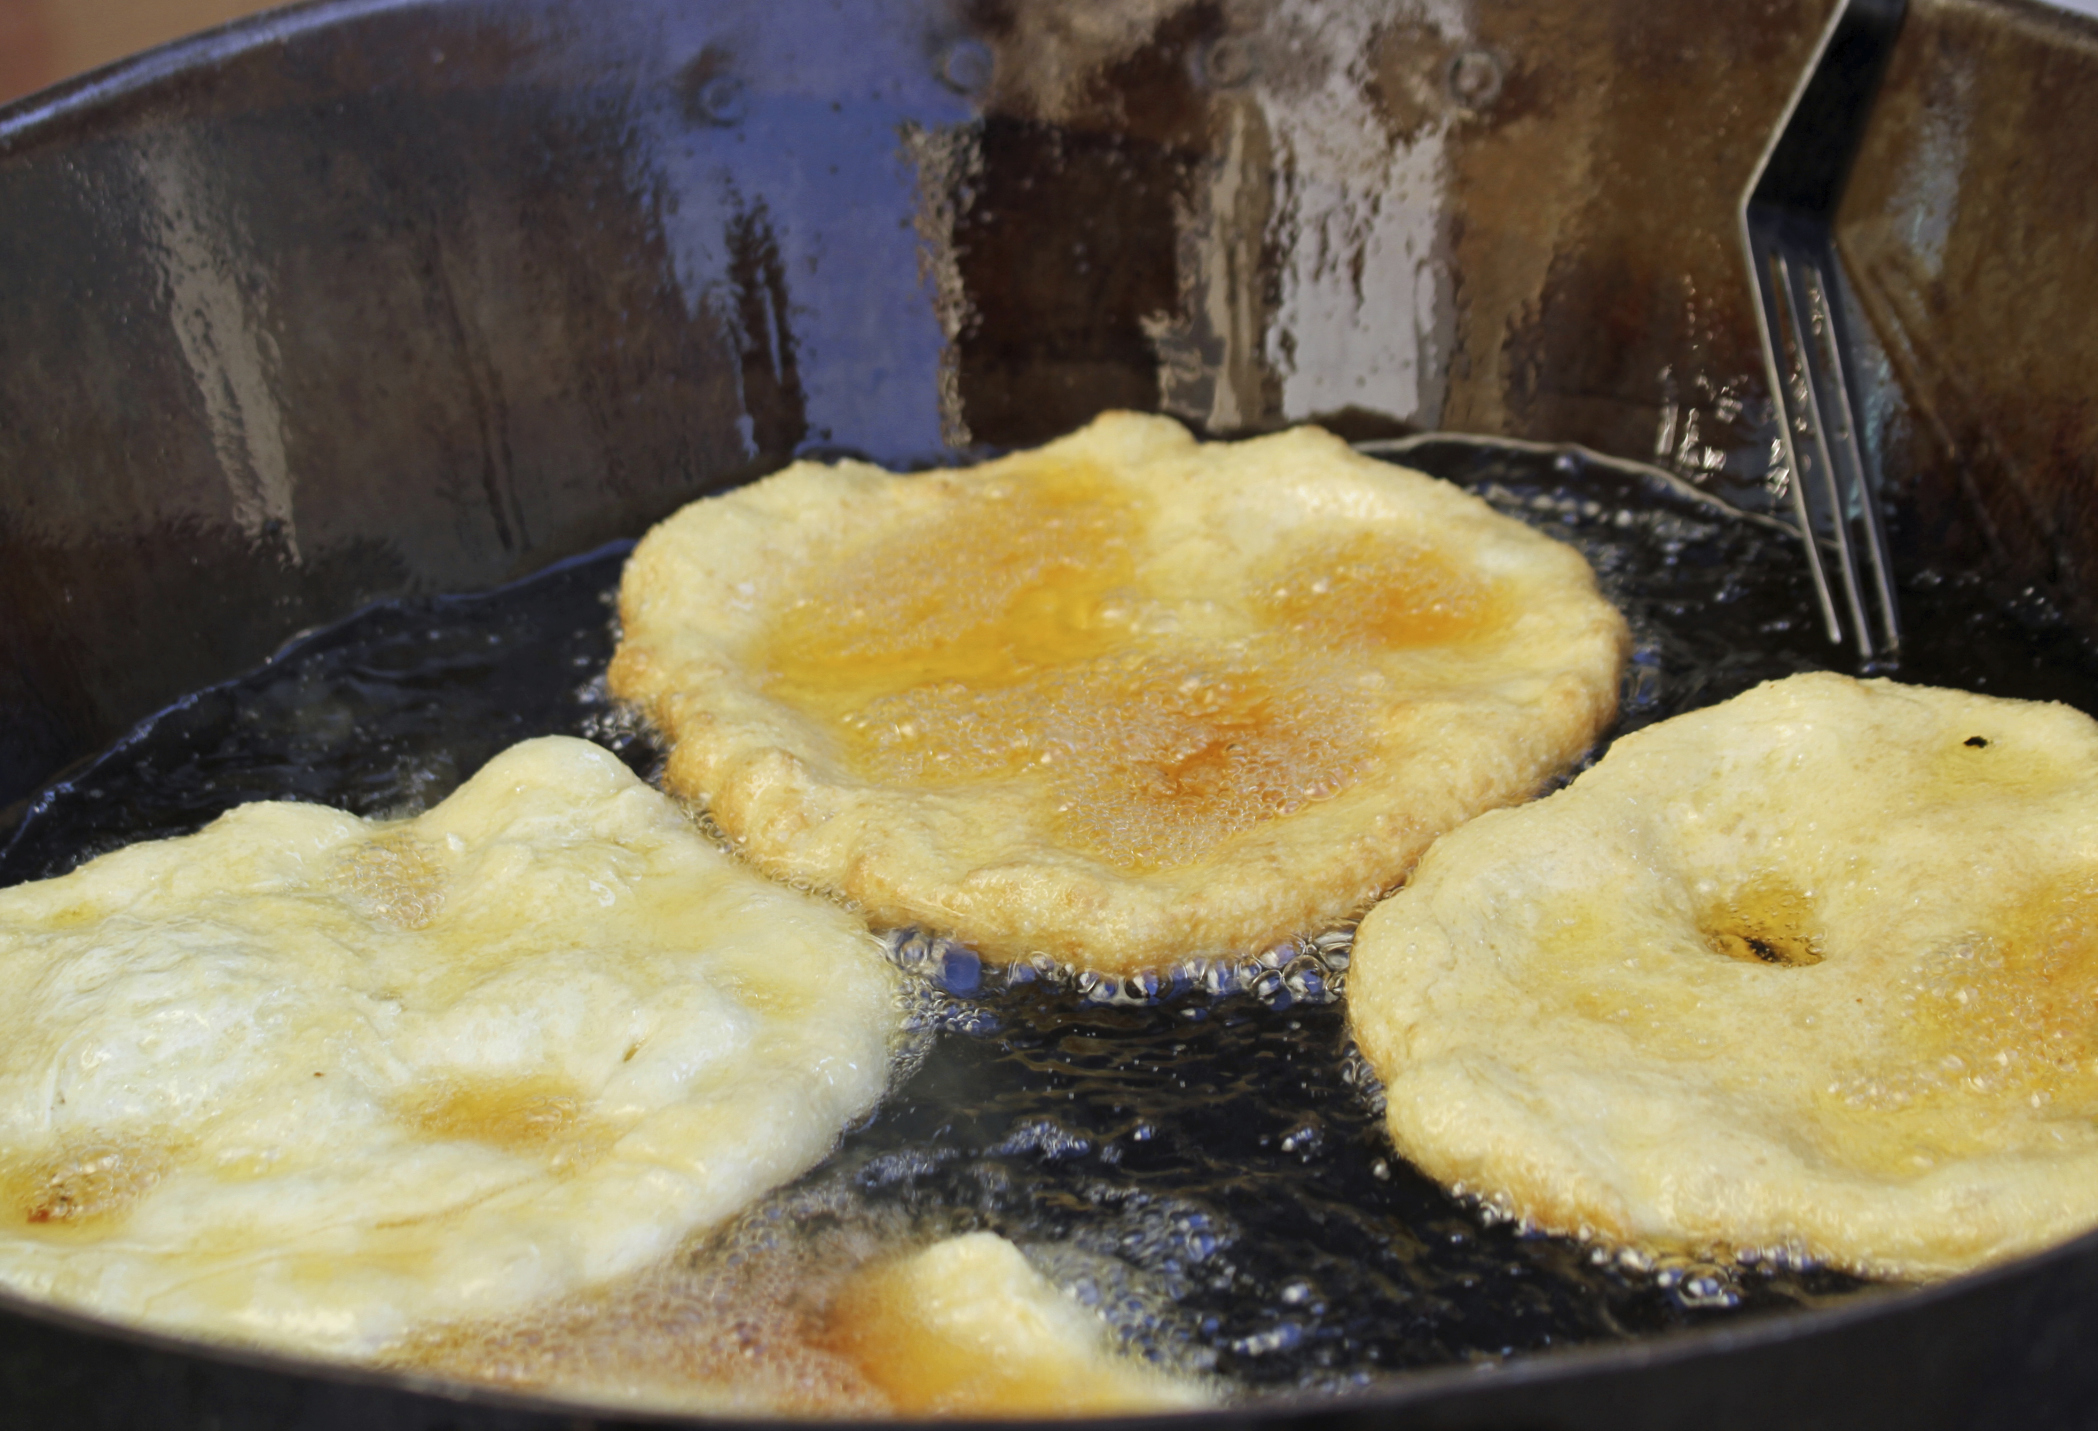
[1197,1153]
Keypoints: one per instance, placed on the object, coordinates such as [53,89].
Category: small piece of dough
[308,1081]
[818,1316]
[968,1327]
[1124,699]
[1812,972]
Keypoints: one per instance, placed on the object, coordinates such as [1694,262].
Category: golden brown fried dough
[1124,699]
[967,1326]
[1813,972]
[310,1082]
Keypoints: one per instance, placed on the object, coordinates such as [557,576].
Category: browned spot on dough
[1157,763]
[394,879]
[983,644]
[2014,1010]
[1370,588]
[738,1318]
[1766,921]
[1994,1036]
[88,1182]
[1004,576]
[518,1115]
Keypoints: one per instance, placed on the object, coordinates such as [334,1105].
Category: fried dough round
[308,1081]
[1812,973]
[1123,699]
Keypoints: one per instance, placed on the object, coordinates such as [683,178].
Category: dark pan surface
[1223,1146]
[370,301]
[373,299]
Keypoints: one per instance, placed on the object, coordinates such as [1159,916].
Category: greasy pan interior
[371,299]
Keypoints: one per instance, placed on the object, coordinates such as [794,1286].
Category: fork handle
[1818,138]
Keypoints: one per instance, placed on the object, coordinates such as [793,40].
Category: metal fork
[1788,220]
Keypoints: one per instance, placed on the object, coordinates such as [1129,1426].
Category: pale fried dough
[1122,699]
[967,1326]
[308,1081]
[829,1319]
[1812,972]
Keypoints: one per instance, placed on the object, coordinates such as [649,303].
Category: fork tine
[1799,276]
[1787,220]
[1872,533]
[1770,315]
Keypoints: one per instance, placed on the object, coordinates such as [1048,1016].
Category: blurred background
[44,41]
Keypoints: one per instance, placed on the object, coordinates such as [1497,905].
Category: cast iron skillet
[372,298]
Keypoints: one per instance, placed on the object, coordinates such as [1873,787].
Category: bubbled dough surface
[307,1080]
[1802,971]
[1091,701]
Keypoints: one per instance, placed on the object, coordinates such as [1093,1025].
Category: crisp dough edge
[443,1225]
[774,782]
[1584,1132]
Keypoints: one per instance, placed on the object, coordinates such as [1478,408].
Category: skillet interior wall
[359,301]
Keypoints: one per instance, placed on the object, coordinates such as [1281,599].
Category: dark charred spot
[1977,741]
[1786,952]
